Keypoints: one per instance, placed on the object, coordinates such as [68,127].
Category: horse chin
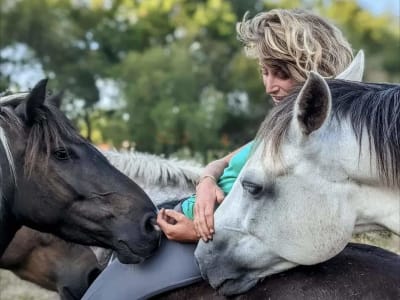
[129,258]
[67,294]
[126,255]
[231,287]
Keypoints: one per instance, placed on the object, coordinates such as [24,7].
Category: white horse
[326,164]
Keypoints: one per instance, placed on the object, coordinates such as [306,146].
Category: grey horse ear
[355,70]
[28,109]
[312,106]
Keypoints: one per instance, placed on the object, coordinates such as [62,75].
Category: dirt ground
[12,288]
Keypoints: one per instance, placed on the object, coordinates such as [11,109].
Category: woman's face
[277,82]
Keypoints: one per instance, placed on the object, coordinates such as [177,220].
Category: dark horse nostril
[148,223]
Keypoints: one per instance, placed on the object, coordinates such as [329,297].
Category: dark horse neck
[8,222]
[8,228]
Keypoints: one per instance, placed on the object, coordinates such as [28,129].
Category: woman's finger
[209,215]
[162,222]
[173,214]
[199,228]
[204,226]
[220,195]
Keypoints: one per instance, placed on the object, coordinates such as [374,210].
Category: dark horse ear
[28,109]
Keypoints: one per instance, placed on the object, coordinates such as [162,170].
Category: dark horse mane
[373,106]
[49,130]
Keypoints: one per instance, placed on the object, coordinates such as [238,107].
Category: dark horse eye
[252,188]
[62,154]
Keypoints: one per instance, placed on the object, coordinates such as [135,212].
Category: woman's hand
[176,226]
[207,195]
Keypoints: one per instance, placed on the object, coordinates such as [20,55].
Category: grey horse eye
[252,188]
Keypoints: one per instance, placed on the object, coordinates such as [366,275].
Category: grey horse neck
[164,180]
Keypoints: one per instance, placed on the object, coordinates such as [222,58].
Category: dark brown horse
[358,272]
[69,268]
[51,263]
[53,180]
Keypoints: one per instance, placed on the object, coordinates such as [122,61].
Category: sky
[381,6]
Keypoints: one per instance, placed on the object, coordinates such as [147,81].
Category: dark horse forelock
[370,106]
[49,131]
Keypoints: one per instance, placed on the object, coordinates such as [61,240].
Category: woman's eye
[281,74]
[62,154]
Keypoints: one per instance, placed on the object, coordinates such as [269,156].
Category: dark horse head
[54,181]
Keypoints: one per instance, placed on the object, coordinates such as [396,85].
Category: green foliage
[184,79]
[377,35]
[167,90]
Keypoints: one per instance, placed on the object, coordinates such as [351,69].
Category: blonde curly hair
[297,41]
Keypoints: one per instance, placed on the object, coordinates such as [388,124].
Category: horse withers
[325,165]
[54,181]
[51,263]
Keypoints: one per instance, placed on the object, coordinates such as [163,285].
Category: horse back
[358,272]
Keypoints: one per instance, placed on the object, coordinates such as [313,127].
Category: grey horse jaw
[355,70]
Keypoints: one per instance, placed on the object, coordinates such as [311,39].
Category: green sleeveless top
[225,182]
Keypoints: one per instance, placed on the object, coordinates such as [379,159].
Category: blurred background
[167,76]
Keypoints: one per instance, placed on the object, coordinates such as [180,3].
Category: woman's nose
[270,85]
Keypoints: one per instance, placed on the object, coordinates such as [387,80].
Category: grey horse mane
[373,106]
[155,170]
[3,137]
[4,143]
[10,160]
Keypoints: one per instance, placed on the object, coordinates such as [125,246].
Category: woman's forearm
[215,168]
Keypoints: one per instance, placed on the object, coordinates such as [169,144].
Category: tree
[182,74]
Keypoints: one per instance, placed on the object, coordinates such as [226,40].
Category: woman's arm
[208,194]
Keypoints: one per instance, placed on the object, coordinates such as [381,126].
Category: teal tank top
[225,182]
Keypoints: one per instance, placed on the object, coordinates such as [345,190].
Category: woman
[288,45]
